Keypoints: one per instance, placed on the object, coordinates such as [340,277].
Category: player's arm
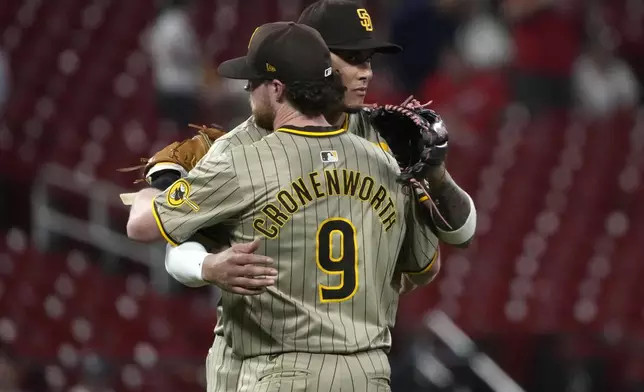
[161,173]
[458,223]
[203,260]
[141,225]
[410,282]
[454,204]
[414,279]
[418,261]
[236,269]
[209,195]
[185,262]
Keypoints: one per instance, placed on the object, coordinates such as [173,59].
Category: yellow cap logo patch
[365,19]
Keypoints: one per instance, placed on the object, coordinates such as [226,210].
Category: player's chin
[352,108]
[353,100]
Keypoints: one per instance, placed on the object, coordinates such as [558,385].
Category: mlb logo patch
[329,156]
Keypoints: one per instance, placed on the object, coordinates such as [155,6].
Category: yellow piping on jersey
[345,125]
[429,266]
[313,134]
[423,198]
[165,235]
[384,146]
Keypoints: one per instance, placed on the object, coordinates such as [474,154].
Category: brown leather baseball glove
[180,156]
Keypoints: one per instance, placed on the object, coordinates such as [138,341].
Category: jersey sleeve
[244,134]
[219,147]
[420,245]
[209,195]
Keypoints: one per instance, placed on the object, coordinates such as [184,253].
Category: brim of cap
[369,44]
[237,68]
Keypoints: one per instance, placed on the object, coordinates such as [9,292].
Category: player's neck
[290,116]
[336,118]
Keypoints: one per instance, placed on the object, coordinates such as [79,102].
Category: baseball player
[348,31]
[350,37]
[331,212]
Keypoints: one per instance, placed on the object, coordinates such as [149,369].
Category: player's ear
[279,89]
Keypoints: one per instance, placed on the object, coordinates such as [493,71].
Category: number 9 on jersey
[337,254]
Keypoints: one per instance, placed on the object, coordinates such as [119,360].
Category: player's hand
[239,270]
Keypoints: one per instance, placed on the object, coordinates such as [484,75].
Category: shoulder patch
[179,193]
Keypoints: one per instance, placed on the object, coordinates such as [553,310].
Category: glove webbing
[173,151]
[202,128]
[418,120]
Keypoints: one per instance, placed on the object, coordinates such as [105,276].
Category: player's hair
[317,97]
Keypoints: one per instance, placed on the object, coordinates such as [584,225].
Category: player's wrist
[207,266]
[163,179]
[436,175]
[184,263]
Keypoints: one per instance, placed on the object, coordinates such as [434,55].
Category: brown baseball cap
[285,51]
[344,25]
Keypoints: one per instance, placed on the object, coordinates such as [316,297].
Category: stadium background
[548,138]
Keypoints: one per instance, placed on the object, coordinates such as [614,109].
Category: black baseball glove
[415,134]
[418,140]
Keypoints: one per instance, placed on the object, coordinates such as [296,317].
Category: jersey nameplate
[321,184]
